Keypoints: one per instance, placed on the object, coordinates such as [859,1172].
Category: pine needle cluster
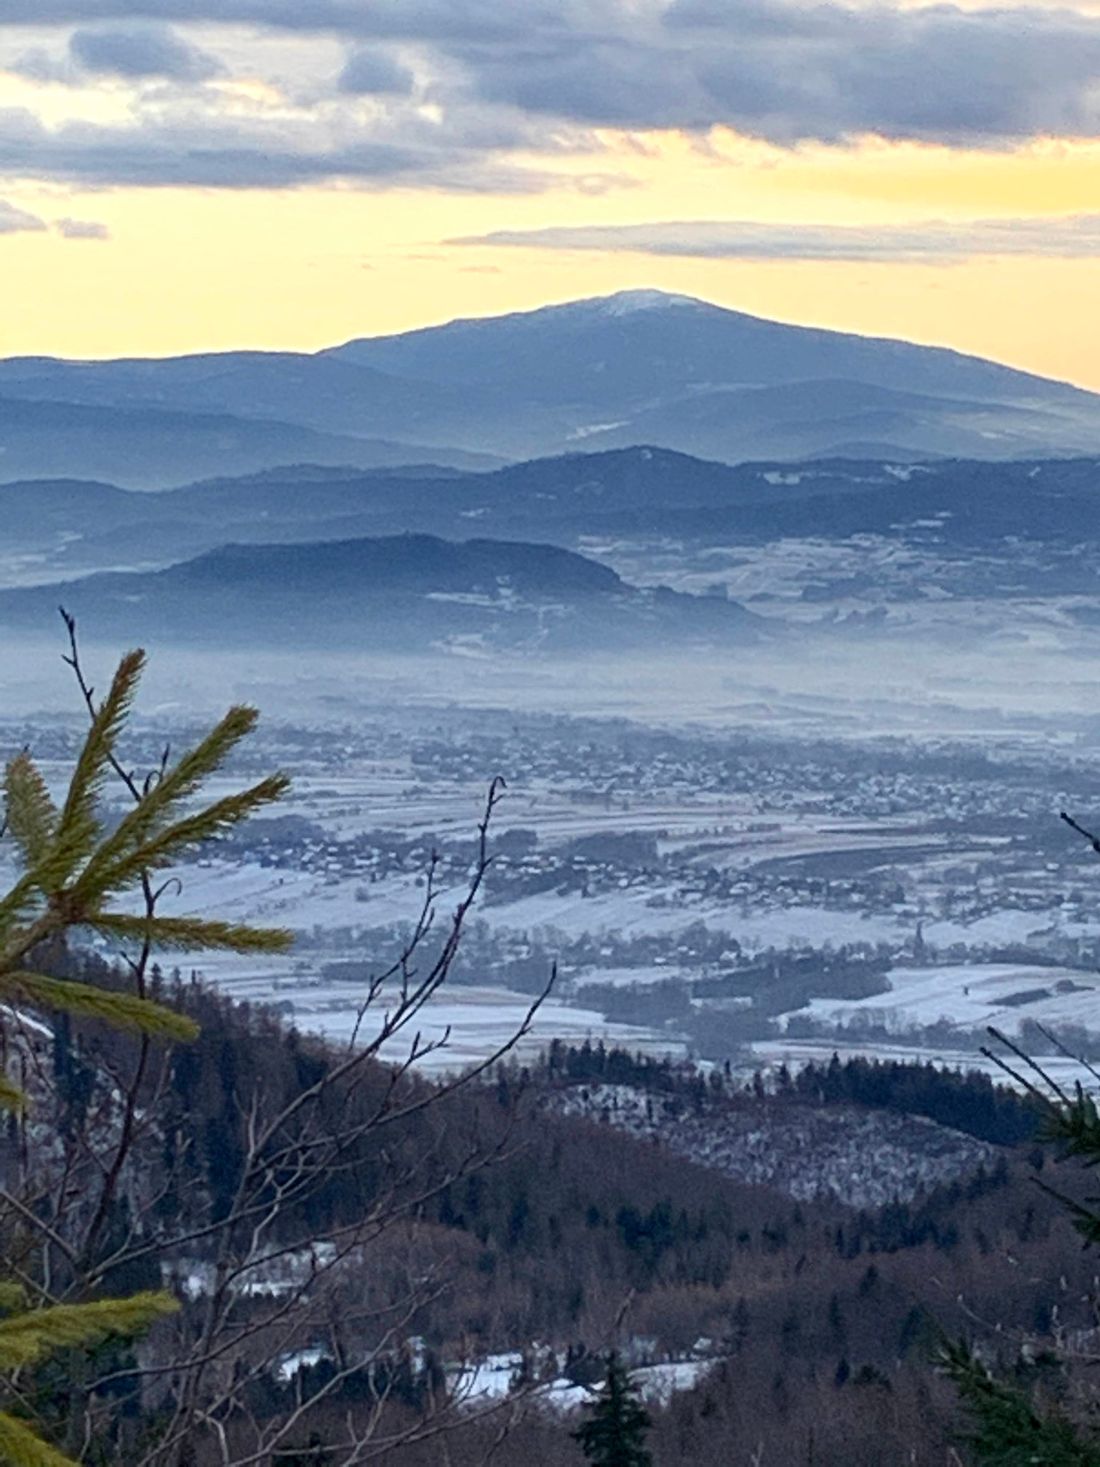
[1007,1431]
[77,873]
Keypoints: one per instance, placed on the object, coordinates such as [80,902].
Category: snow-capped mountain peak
[626,302]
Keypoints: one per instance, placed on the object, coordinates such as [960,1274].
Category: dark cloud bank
[514,75]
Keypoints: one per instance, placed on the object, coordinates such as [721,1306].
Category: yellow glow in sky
[193,270]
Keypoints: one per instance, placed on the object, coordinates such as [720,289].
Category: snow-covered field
[969,996]
[304,901]
[633,913]
[468,1023]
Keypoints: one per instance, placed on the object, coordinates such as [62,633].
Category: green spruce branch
[73,875]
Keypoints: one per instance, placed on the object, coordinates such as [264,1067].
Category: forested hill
[406,592]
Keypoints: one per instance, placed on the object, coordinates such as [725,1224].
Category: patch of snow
[904,472]
[589,428]
[289,1365]
[490,1379]
[565,1397]
[485,1382]
[627,302]
[659,1383]
[462,598]
[21,1020]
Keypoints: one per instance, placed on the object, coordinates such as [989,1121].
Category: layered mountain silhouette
[407,593]
[149,447]
[70,526]
[638,367]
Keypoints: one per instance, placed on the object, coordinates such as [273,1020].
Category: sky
[189,175]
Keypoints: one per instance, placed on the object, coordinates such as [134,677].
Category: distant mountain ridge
[154,447]
[76,527]
[646,334]
[637,367]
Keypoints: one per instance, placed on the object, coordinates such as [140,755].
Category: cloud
[440,21]
[41,65]
[81,229]
[937,74]
[182,145]
[140,52]
[531,72]
[932,242]
[374,73]
[17,221]
[270,135]
[787,73]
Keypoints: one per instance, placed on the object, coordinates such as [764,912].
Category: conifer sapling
[75,872]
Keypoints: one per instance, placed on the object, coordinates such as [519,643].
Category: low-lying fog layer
[1035,687]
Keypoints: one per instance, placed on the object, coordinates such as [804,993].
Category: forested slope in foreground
[548,1239]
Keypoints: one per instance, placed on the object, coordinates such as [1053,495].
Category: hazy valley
[784,645]
[698,658]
